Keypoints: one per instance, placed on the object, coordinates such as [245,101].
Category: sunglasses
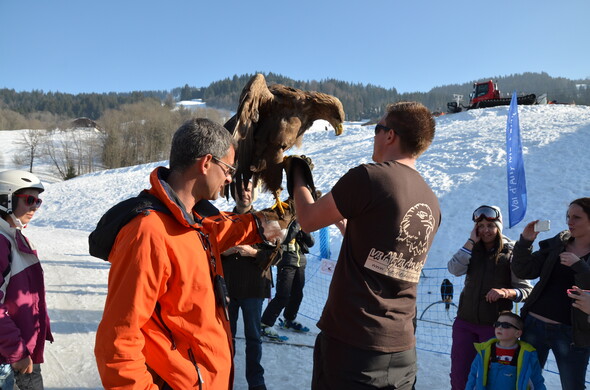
[504,325]
[230,170]
[30,200]
[379,128]
[485,212]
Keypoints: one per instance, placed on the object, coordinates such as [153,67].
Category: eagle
[269,121]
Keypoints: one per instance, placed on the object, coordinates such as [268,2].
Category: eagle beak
[338,129]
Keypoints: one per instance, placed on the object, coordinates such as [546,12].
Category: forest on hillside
[368,101]
[360,101]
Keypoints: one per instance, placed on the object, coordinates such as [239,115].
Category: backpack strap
[102,239]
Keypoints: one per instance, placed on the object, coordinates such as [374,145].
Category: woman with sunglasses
[550,321]
[24,323]
[490,288]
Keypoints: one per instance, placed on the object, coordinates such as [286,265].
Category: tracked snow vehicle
[487,94]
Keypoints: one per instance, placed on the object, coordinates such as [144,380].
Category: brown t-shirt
[393,216]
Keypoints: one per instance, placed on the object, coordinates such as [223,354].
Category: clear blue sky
[124,45]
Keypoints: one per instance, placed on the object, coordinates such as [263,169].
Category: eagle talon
[280,205]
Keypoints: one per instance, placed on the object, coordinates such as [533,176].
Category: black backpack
[102,239]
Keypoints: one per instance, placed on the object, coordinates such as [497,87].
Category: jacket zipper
[158,311]
[191,356]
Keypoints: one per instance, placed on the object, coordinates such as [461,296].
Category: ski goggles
[30,200]
[505,325]
[485,212]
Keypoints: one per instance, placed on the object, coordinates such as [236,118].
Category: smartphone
[542,225]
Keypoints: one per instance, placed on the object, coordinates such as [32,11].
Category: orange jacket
[160,260]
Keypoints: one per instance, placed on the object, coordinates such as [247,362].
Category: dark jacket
[482,274]
[530,265]
[244,276]
[295,245]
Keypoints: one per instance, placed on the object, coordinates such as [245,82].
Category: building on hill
[84,122]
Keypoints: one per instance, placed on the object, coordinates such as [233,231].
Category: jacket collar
[23,244]
[162,190]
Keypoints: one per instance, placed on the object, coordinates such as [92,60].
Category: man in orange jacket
[165,322]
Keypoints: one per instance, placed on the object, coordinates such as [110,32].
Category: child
[505,362]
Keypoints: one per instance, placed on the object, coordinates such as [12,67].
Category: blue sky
[100,46]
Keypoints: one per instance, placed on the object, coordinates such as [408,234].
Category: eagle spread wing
[269,121]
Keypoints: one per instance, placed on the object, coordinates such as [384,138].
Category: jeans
[6,377]
[32,381]
[289,294]
[337,365]
[571,361]
[251,310]
[463,352]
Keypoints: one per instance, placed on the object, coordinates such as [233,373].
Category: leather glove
[267,257]
[273,214]
[304,165]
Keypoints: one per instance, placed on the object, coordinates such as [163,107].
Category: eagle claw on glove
[304,165]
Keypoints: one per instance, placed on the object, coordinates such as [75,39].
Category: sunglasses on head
[504,325]
[30,200]
[485,212]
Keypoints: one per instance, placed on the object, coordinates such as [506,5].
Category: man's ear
[391,136]
[203,164]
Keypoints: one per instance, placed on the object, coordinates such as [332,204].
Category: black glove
[304,165]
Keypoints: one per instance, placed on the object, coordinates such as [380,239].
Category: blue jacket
[525,375]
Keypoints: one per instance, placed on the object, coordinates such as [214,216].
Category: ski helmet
[13,181]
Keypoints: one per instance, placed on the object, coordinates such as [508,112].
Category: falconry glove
[275,254]
[304,165]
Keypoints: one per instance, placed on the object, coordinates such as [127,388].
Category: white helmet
[12,181]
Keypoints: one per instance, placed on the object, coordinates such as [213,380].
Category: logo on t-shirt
[504,355]
[413,241]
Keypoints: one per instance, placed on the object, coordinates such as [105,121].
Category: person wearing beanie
[490,288]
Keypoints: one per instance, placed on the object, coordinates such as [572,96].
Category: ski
[298,328]
[287,342]
[276,340]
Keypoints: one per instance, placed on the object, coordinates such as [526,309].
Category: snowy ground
[465,166]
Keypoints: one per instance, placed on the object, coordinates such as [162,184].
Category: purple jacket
[24,323]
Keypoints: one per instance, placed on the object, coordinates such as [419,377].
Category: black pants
[337,365]
[289,294]
[32,381]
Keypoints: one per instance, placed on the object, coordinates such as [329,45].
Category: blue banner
[515,166]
